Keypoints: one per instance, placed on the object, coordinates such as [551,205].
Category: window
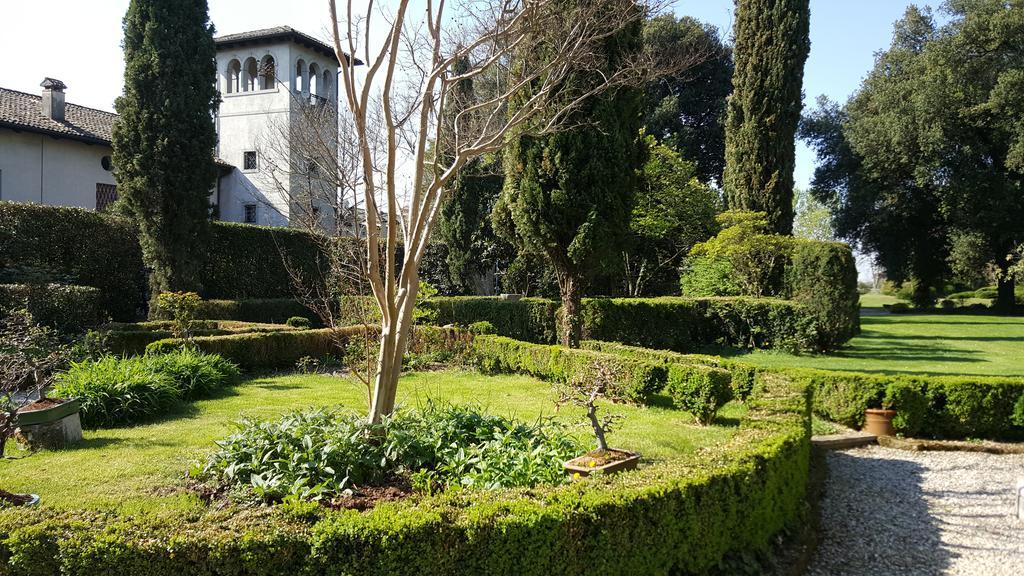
[250,75]
[106,194]
[107,163]
[268,73]
[250,214]
[233,76]
[249,160]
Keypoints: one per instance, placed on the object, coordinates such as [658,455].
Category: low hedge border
[725,501]
[268,350]
[263,310]
[942,407]
[132,339]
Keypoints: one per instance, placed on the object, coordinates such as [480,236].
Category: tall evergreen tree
[770,47]
[570,194]
[164,137]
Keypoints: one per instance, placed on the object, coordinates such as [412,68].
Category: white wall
[55,171]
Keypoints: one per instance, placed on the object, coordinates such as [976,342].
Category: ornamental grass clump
[319,454]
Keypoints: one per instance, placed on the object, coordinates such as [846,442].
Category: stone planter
[48,425]
[879,422]
[608,462]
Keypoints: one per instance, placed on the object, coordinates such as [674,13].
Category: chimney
[53,99]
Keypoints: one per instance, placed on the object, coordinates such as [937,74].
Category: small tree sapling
[584,390]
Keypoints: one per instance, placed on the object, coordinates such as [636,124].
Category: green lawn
[141,468]
[921,343]
[877,300]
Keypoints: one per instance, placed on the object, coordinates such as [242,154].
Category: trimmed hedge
[268,350]
[132,339]
[822,276]
[77,246]
[637,380]
[529,319]
[683,324]
[679,324]
[700,390]
[248,262]
[264,310]
[699,509]
[931,406]
[70,309]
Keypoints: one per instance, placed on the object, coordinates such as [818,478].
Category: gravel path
[904,513]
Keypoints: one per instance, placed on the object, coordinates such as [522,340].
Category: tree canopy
[771,45]
[164,136]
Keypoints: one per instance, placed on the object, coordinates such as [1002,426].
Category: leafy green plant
[482,327]
[700,390]
[298,322]
[707,276]
[316,454]
[195,374]
[181,307]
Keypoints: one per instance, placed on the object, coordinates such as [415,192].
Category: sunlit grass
[142,468]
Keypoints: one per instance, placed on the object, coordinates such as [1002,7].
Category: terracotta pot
[879,422]
[582,465]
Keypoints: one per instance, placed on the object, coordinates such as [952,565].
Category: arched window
[231,77]
[268,72]
[250,75]
[301,85]
[326,86]
[315,81]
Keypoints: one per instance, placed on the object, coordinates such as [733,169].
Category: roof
[277,34]
[23,111]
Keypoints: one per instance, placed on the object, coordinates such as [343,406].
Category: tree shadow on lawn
[875,520]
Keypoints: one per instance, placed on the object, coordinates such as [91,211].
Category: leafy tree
[686,110]
[745,252]
[771,46]
[920,165]
[570,194]
[164,136]
[672,211]
[813,219]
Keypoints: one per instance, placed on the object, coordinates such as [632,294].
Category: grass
[921,343]
[141,469]
[877,300]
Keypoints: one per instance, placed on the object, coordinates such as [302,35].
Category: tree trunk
[571,329]
[1005,300]
[394,339]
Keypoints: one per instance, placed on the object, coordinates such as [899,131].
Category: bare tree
[532,50]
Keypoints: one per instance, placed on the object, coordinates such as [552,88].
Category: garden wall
[699,509]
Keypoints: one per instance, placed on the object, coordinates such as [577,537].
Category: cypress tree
[771,45]
[570,194]
[164,137]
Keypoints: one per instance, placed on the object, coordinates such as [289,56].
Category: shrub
[269,311]
[117,391]
[729,500]
[180,308]
[298,322]
[706,276]
[911,404]
[988,292]
[482,328]
[700,390]
[318,453]
[529,319]
[80,247]
[635,380]
[899,308]
[947,304]
[68,309]
[268,350]
[822,276]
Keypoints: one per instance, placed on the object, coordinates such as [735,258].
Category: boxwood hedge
[66,308]
[698,509]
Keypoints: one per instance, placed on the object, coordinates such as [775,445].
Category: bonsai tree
[585,390]
[28,355]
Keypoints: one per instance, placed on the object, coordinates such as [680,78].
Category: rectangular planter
[51,414]
[578,466]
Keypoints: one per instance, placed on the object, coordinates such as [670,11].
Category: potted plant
[585,393]
[878,421]
[28,356]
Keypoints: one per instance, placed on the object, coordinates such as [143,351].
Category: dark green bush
[728,500]
[899,308]
[685,324]
[637,379]
[990,292]
[68,309]
[822,276]
[118,391]
[529,319]
[269,310]
[298,322]
[910,401]
[947,304]
[700,390]
[131,339]
[76,246]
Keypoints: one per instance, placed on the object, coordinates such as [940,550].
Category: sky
[79,42]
